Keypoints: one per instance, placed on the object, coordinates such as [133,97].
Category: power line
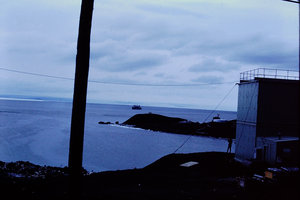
[116,83]
[35,74]
[292,1]
[189,137]
[220,102]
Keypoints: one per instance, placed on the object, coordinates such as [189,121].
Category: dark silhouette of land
[155,122]
[214,175]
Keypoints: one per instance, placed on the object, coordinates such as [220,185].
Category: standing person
[229,145]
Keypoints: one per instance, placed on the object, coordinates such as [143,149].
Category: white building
[268,116]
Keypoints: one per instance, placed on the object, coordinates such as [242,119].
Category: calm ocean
[39,131]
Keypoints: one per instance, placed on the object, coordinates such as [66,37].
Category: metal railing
[269,73]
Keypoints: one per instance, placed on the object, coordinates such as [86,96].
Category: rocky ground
[211,175]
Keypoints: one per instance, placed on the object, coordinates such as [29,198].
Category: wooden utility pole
[79,97]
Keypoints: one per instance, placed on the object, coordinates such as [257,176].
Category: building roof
[264,73]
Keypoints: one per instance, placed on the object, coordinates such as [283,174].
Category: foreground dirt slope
[214,175]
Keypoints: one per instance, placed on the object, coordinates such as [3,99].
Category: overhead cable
[189,137]
[118,83]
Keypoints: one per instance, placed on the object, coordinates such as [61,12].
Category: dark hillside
[214,175]
[155,122]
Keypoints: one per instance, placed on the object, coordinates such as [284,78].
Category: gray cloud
[160,42]
[265,52]
[209,79]
[209,64]
[169,10]
[131,61]
[159,75]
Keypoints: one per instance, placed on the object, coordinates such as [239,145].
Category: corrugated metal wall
[246,120]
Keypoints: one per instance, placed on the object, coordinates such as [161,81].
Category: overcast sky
[171,53]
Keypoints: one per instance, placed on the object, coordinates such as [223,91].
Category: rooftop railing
[269,73]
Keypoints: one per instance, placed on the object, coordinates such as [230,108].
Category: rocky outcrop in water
[155,122]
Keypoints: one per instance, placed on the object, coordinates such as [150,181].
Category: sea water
[39,132]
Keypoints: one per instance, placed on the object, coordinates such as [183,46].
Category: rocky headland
[156,122]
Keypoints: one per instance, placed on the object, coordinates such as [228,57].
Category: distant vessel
[218,119]
[136,107]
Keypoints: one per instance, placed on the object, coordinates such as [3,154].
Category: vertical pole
[298,74]
[79,97]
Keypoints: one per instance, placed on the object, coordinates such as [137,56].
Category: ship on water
[136,107]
